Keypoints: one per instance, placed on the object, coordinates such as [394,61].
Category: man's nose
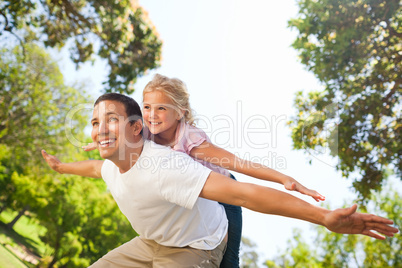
[103,128]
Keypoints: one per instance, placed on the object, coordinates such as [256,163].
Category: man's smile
[106,143]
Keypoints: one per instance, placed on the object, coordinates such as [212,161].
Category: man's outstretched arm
[270,201]
[88,168]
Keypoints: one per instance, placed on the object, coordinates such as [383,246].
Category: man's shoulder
[108,168]
[165,153]
[151,147]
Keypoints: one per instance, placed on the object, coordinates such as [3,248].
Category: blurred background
[309,88]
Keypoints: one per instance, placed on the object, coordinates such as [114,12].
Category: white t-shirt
[186,138]
[159,196]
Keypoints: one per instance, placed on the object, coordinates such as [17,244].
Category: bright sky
[242,75]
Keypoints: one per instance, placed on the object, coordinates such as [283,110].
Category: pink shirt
[188,137]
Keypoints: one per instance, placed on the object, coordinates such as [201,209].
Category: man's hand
[87,168]
[293,185]
[348,221]
[52,160]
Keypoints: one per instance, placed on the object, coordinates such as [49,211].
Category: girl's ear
[180,114]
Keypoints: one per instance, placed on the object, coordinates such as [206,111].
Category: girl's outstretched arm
[91,146]
[87,168]
[220,157]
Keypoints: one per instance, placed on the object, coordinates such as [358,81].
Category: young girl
[169,121]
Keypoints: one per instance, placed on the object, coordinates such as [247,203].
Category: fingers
[314,194]
[350,210]
[383,228]
[318,197]
[290,187]
[373,234]
[374,226]
[303,190]
[374,219]
[89,147]
[377,231]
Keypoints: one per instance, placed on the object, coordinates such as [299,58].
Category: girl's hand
[293,185]
[91,146]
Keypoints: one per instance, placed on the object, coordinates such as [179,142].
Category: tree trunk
[55,258]
[2,208]
[56,251]
[52,263]
[10,225]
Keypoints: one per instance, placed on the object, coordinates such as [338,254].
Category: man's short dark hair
[133,110]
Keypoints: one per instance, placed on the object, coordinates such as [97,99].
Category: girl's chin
[153,131]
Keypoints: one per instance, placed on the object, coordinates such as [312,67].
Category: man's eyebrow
[109,113]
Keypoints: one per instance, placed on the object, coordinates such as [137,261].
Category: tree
[298,254]
[353,48]
[117,31]
[82,221]
[248,255]
[5,177]
[337,250]
[34,103]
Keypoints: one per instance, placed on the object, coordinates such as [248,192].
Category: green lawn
[8,260]
[25,232]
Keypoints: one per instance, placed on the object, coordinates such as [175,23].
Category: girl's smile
[161,116]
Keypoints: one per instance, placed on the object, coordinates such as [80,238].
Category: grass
[7,259]
[25,233]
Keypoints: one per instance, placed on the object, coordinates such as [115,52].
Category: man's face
[111,131]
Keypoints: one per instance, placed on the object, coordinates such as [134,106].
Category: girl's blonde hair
[175,90]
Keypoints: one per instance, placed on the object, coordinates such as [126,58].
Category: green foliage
[248,255]
[34,103]
[298,254]
[118,31]
[337,250]
[5,177]
[82,222]
[353,48]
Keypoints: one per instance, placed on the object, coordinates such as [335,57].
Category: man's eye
[162,108]
[146,107]
[95,124]
[113,119]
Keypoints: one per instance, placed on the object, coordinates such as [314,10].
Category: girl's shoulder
[188,137]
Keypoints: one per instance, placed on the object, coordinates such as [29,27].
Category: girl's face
[160,115]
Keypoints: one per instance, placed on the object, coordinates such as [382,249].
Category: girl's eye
[95,124]
[162,108]
[113,119]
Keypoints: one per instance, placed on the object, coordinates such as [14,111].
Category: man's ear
[137,127]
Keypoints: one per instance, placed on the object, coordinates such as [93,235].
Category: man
[169,199]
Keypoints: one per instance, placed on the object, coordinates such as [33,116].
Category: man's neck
[127,160]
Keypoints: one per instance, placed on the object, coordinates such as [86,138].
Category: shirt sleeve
[181,179]
[188,138]
[105,169]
